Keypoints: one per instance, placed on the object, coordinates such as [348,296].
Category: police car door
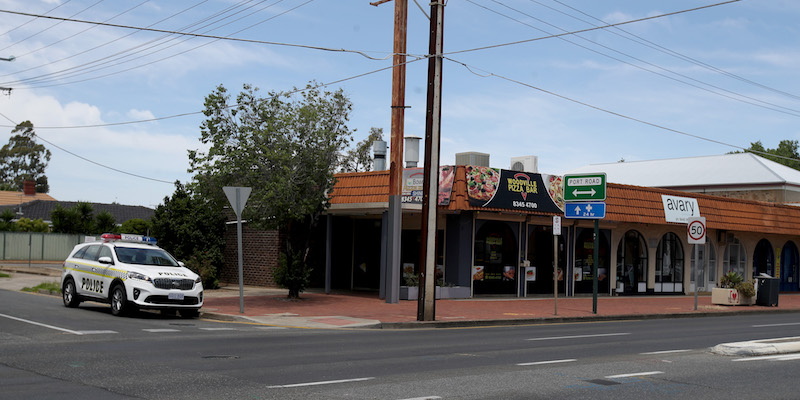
[90,283]
[105,268]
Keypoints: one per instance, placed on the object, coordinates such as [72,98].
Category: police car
[130,272]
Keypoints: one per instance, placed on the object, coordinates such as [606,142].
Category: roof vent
[412,151]
[379,152]
[473,158]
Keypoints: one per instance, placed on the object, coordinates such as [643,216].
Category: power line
[587,29]
[488,74]
[730,94]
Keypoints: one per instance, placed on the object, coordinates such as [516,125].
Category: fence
[37,246]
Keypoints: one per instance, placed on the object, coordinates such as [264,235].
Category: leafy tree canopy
[135,226]
[786,153]
[359,158]
[23,159]
[286,148]
[77,219]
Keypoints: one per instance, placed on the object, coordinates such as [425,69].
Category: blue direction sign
[585,210]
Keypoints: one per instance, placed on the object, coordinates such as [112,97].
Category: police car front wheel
[119,302]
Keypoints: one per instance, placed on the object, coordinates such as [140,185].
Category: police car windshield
[131,255]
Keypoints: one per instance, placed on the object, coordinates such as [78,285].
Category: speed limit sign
[696,228]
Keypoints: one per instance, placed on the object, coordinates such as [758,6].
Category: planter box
[442,292]
[730,297]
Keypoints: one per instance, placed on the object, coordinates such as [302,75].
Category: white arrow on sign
[577,192]
[577,209]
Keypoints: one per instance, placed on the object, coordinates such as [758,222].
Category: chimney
[379,155]
[412,151]
[29,188]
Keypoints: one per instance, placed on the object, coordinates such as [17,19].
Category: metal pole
[555,275]
[694,273]
[594,264]
[427,282]
[241,258]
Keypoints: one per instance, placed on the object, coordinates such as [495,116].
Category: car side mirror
[181,264]
[106,260]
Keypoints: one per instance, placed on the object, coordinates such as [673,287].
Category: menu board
[492,187]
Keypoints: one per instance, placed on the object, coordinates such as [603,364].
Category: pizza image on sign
[482,182]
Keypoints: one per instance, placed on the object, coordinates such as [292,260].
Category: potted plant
[410,289]
[733,290]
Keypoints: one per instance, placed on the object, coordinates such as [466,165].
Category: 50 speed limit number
[696,229]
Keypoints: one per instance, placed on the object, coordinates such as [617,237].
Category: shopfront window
[788,268]
[583,271]
[669,264]
[763,259]
[707,269]
[539,275]
[632,264]
[496,258]
[735,258]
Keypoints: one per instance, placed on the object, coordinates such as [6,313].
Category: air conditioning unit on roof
[525,164]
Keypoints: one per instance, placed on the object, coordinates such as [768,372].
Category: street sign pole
[596,255]
[696,280]
[556,233]
[237,196]
[696,231]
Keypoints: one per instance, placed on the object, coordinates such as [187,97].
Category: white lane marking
[292,385]
[161,330]
[770,325]
[97,332]
[271,327]
[41,324]
[634,374]
[217,329]
[580,336]
[665,352]
[423,398]
[547,362]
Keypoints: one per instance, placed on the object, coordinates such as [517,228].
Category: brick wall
[260,249]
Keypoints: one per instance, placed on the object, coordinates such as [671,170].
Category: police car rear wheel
[69,295]
[119,303]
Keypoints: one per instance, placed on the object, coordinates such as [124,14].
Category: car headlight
[198,280]
[141,277]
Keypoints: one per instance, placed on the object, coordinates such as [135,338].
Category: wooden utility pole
[426,304]
[395,212]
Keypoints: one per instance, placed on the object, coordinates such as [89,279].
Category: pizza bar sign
[490,187]
[680,209]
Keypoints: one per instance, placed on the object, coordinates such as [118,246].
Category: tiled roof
[625,203]
[42,209]
[15,198]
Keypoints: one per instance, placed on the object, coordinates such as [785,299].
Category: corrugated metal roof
[741,169]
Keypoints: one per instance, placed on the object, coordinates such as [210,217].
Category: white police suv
[130,272]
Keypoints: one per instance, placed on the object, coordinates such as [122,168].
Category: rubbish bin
[768,289]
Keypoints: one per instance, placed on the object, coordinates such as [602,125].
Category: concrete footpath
[315,309]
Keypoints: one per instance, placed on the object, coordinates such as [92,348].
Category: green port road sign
[585,187]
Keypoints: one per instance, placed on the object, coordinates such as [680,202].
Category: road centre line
[293,385]
[634,374]
[424,398]
[41,324]
[580,336]
[665,352]
[97,332]
[218,329]
[771,325]
[547,362]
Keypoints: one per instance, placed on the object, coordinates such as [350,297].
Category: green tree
[23,159]
[6,221]
[359,158]
[786,153]
[135,226]
[192,229]
[76,219]
[286,148]
[28,225]
[104,222]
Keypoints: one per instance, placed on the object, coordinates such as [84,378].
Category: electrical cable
[487,74]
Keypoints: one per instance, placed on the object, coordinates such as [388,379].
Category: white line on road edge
[217,329]
[319,383]
[579,336]
[664,352]
[161,330]
[96,332]
[776,357]
[634,374]
[41,324]
[424,398]
[547,362]
[771,325]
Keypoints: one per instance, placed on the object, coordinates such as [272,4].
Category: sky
[677,82]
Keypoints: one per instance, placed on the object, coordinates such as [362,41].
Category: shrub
[206,269]
[730,280]
[746,289]
[292,274]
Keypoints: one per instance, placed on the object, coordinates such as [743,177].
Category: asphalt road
[48,351]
